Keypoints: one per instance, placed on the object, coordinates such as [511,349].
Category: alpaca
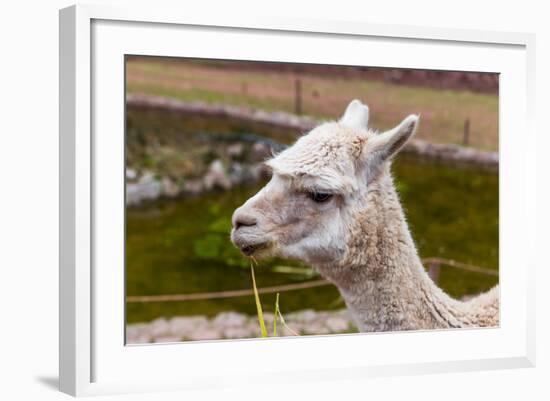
[331,203]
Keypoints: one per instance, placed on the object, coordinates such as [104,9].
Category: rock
[343,313]
[253,327]
[131,174]
[141,339]
[305,316]
[316,328]
[137,332]
[205,333]
[237,332]
[238,174]
[146,188]
[260,171]
[260,152]
[168,339]
[216,177]
[184,326]
[230,319]
[268,319]
[337,324]
[235,151]
[193,187]
[169,188]
[159,328]
[140,191]
[248,174]
[147,178]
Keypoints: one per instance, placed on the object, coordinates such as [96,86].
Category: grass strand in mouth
[276,315]
[258,303]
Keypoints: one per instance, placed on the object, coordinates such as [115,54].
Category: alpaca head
[319,184]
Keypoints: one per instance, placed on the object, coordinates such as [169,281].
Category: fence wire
[431,263]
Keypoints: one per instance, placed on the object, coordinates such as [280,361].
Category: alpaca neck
[381,278]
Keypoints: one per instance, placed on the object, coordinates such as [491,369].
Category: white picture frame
[93,356]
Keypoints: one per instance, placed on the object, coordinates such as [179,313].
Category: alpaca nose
[241,219]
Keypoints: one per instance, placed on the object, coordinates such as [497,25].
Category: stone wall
[445,152]
[233,325]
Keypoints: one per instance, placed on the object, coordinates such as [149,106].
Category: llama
[331,203]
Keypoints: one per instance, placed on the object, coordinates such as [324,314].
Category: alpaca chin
[262,252]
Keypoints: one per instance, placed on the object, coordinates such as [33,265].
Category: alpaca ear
[385,145]
[356,115]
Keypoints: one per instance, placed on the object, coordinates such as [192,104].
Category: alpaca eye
[319,197]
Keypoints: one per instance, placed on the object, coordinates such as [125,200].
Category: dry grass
[443,111]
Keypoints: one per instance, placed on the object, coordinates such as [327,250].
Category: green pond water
[182,246]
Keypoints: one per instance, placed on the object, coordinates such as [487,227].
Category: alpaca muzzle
[247,241]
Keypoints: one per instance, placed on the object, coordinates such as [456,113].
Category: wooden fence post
[466,136]
[298,96]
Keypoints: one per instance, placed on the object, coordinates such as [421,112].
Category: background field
[325,93]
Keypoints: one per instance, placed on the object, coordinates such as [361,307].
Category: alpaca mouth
[249,250]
